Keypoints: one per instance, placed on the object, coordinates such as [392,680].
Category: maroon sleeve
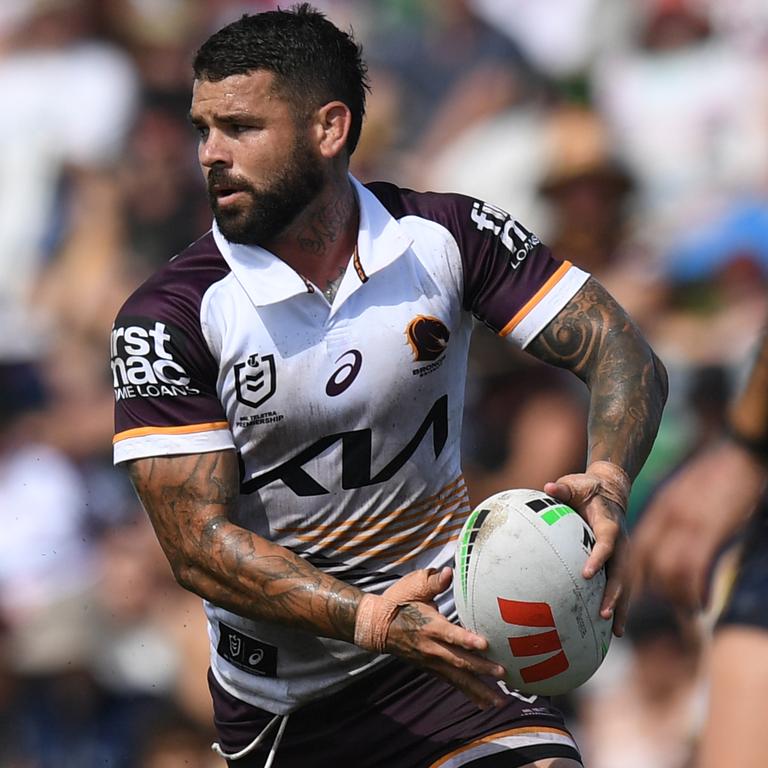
[163,373]
[504,264]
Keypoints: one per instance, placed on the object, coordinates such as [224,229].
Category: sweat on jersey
[346,416]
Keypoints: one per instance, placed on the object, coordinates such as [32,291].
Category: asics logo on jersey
[428,337]
[356,457]
[513,235]
[142,362]
[343,376]
[255,380]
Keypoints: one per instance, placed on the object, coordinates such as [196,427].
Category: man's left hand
[599,495]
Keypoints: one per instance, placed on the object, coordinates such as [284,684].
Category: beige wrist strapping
[375,613]
[615,484]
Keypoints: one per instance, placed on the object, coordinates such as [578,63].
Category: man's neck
[319,244]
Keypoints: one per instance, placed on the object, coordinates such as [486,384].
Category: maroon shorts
[397,717]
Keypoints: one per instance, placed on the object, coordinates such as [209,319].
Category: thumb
[574,489]
[422,585]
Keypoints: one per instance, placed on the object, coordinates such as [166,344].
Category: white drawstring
[216,747]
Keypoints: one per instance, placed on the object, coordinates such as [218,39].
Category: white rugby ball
[518,583]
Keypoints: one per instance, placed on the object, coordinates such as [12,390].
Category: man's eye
[202,131]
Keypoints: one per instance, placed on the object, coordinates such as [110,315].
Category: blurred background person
[691,520]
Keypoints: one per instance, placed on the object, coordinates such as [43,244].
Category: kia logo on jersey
[427,337]
[255,380]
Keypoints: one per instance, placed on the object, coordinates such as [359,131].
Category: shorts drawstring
[216,747]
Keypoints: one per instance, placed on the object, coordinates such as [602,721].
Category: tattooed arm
[595,339]
[189,500]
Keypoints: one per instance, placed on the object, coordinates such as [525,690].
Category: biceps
[186,497]
[581,334]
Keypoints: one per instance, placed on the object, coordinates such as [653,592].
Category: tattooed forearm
[594,338]
[188,499]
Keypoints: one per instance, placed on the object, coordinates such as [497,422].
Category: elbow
[186,573]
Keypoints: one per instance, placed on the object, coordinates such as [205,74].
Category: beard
[270,210]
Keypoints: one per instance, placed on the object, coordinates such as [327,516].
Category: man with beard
[289,395]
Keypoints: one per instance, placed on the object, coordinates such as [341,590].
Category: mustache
[219,179]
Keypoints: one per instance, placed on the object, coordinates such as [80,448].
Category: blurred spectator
[164,198]
[172,740]
[560,37]
[688,114]
[589,194]
[43,557]
[649,713]
[453,69]
[72,99]
[524,423]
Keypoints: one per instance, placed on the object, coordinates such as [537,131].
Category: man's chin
[235,226]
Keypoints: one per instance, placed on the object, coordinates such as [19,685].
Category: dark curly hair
[313,61]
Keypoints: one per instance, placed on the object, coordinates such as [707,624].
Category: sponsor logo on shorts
[428,338]
[143,363]
[526,614]
[246,653]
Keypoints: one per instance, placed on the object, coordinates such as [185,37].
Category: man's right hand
[419,633]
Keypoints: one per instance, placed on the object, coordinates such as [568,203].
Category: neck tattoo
[332,288]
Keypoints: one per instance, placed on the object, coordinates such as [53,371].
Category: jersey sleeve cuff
[143,443]
[545,304]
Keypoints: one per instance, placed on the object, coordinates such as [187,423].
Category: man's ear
[332,123]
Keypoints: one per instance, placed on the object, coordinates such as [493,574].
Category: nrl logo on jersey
[255,380]
[142,363]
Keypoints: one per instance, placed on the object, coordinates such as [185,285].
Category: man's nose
[214,151]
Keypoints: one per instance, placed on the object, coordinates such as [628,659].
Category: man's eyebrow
[235,117]
[232,117]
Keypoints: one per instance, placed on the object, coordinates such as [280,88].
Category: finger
[621,612]
[559,490]
[422,585]
[479,692]
[454,635]
[575,490]
[443,579]
[615,603]
[601,552]
[469,661]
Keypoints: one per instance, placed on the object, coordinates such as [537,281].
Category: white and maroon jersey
[346,416]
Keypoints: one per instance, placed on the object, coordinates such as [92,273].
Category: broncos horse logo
[428,337]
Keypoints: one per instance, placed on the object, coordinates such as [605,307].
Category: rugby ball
[518,583]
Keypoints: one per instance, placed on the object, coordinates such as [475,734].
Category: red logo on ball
[534,615]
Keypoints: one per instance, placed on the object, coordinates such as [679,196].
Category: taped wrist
[375,613]
[615,484]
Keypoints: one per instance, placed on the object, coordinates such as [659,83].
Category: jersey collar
[267,279]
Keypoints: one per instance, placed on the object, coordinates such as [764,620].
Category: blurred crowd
[631,135]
